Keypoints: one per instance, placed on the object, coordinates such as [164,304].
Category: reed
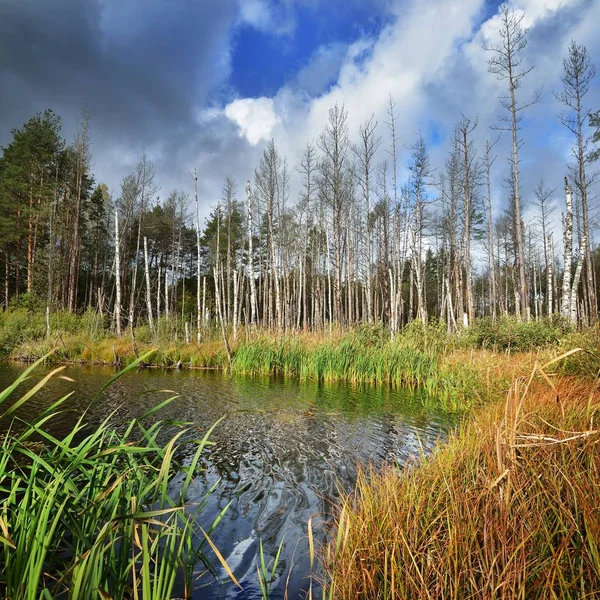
[507,509]
[451,372]
[94,514]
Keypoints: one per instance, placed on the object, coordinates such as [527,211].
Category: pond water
[282,452]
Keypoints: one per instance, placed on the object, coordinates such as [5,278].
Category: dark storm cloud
[143,67]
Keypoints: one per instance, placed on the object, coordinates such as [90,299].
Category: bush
[509,333]
[18,326]
[587,362]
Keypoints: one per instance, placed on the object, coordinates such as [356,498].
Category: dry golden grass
[509,508]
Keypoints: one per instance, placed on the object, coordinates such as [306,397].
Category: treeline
[357,245]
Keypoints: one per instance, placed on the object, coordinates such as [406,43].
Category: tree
[492,260]
[364,153]
[307,169]
[506,65]
[420,172]
[27,187]
[594,121]
[251,274]
[82,163]
[270,185]
[546,207]
[578,72]
[465,128]
[568,250]
[334,144]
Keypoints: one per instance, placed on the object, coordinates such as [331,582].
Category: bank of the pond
[455,379]
[507,509]
[454,372]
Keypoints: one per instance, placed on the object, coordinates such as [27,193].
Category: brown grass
[510,508]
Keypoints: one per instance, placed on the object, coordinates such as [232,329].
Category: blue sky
[206,83]
[263,61]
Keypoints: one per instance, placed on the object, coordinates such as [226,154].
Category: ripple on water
[280,455]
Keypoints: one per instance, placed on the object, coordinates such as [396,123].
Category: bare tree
[267,180]
[465,128]
[546,207]
[307,169]
[420,172]
[199,315]
[492,262]
[578,72]
[506,65]
[334,145]
[568,250]
[364,153]
[117,275]
[251,275]
[148,295]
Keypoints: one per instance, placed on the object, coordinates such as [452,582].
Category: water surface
[281,454]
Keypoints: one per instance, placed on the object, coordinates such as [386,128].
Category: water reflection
[281,454]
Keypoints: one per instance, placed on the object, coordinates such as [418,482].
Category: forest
[356,245]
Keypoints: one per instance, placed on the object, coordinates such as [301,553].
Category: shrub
[20,325]
[509,333]
[587,362]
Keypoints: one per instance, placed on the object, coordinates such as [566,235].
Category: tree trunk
[148,290]
[117,276]
[568,255]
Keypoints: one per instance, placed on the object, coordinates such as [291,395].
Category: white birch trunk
[204,314]
[198,325]
[236,287]
[550,274]
[148,296]
[117,276]
[576,279]
[568,256]
[158,299]
[167,295]
[253,302]
[220,315]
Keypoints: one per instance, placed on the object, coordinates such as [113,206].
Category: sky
[206,84]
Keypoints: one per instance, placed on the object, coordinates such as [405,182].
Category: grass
[509,508]
[454,373]
[95,514]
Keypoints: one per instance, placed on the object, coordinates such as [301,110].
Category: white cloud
[430,58]
[255,117]
[269,17]
[256,13]
[536,10]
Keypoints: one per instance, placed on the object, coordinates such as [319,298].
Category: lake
[281,454]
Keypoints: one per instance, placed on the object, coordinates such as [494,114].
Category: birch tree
[117,275]
[506,65]
[334,145]
[578,72]
[568,251]
[546,207]
[364,153]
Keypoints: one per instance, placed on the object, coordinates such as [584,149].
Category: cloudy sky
[205,83]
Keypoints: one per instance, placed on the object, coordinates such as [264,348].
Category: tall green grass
[413,360]
[418,358]
[94,514]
